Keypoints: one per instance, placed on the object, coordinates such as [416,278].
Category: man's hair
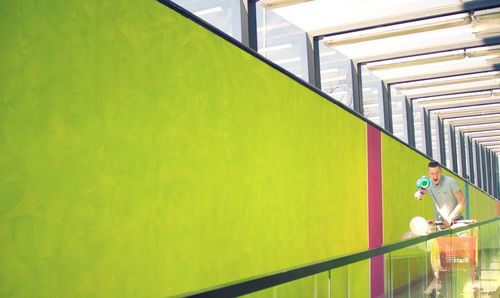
[433,164]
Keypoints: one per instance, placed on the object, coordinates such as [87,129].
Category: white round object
[419,226]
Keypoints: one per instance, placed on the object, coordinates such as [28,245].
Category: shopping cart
[456,252]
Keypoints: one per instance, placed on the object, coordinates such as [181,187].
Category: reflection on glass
[419,128]
[282,42]
[488,275]
[339,282]
[459,151]
[436,153]
[475,165]
[372,97]
[408,272]
[467,162]
[223,14]
[447,144]
[336,77]
[398,104]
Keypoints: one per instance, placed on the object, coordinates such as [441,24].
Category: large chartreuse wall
[481,205]
[141,155]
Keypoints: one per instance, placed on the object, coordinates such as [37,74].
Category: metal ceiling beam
[272,4]
[490,119]
[491,132]
[453,93]
[467,113]
[489,143]
[480,71]
[487,138]
[430,50]
[444,74]
[409,17]
[455,80]
[450,104]
[472,128]
[457,91]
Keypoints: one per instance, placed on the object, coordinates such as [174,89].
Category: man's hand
[448,222]
[418,195]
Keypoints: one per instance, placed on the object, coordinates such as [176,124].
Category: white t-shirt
[443,196]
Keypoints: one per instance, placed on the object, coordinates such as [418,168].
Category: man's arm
[458,209]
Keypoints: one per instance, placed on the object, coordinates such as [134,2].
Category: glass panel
[447,266]
[408,271]
[419,128]
[282,42]
[447,142]
[467,162]
[461,264]
[372,97]
[358,279]
[436,153]
[336,75]
[459,152]
[398,106]
[223,14]
[458,263]
[488,271]
[339,282]
[474,164]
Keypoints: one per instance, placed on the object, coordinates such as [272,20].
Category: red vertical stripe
[375,232]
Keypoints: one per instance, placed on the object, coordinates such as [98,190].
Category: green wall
[481,205]
[143,156]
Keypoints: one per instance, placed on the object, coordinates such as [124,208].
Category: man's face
[435,175]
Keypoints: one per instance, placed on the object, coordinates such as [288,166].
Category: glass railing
[459,262]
